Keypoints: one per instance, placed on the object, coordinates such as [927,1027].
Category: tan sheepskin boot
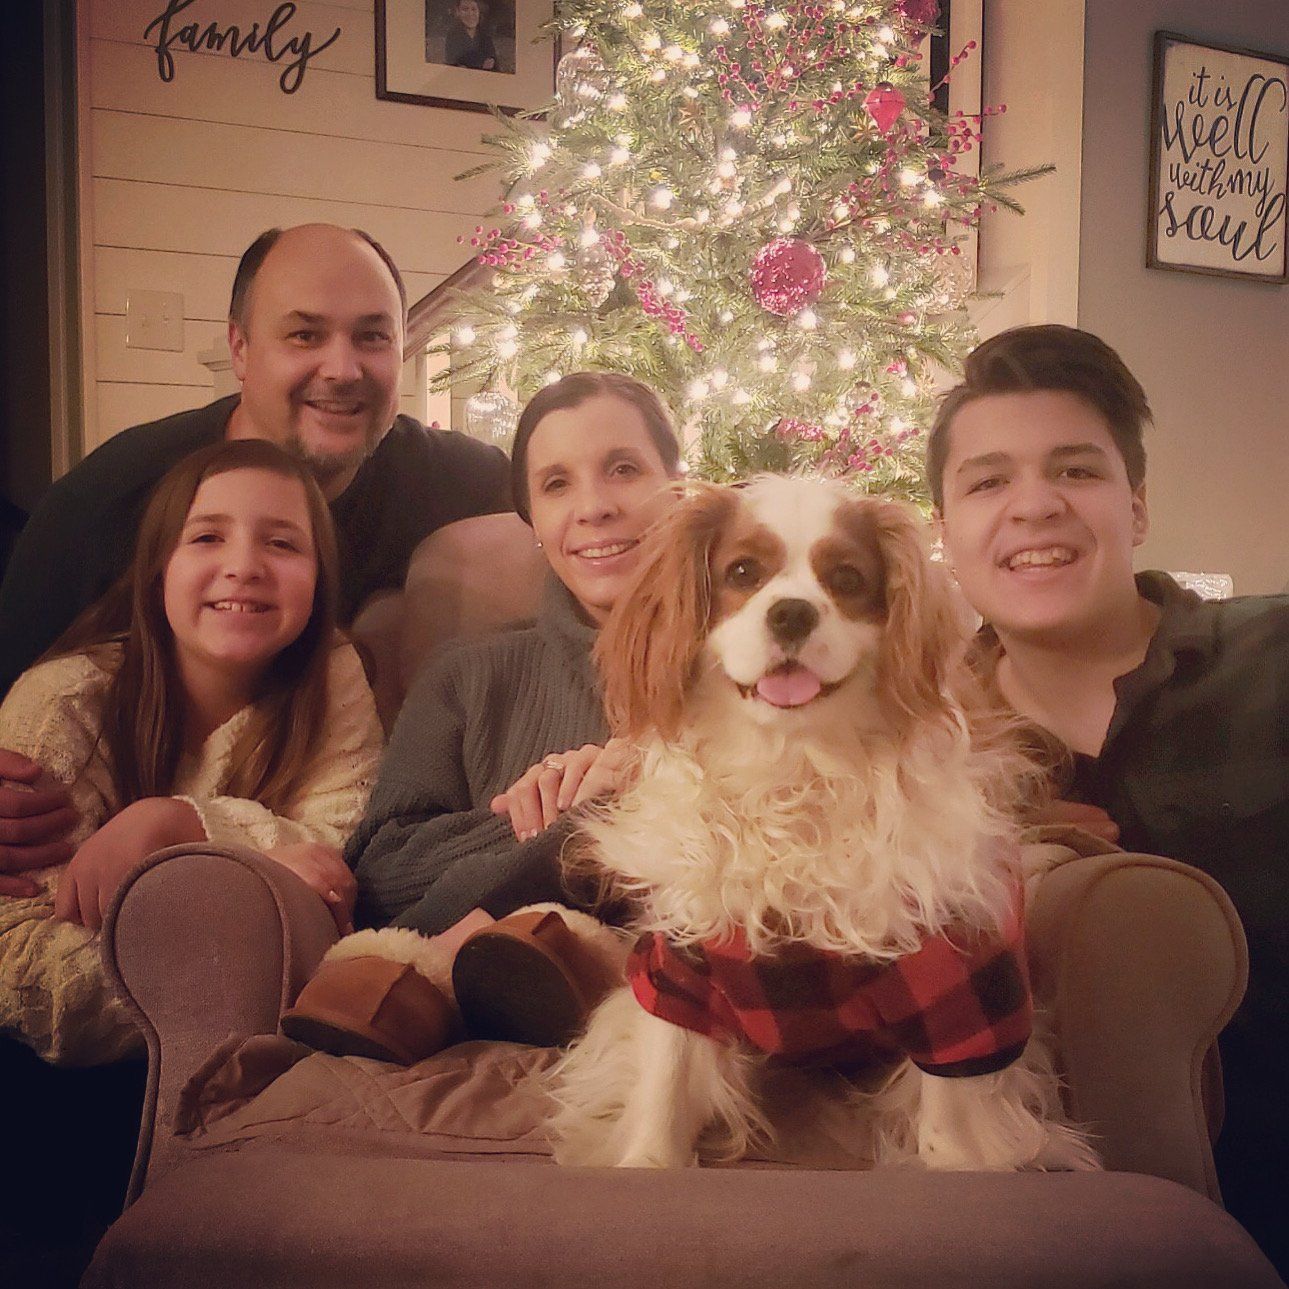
[535,976]
[395,995]
[382,994]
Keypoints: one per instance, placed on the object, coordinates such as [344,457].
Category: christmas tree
[754,207]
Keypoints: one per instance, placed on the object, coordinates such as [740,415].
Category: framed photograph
[465,54]
[1219,156]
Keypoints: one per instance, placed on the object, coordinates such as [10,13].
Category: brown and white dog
[811,788]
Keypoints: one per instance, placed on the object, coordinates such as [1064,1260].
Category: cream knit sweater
[53,994]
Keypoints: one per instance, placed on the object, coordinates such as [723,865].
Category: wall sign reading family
[1219,159]
[465,53]
[270,39]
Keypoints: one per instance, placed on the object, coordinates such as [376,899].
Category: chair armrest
[466,579]
[377,633]
[205,942]
[1142,962]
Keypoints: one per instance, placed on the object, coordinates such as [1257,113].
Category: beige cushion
[463,580]
[306,1219]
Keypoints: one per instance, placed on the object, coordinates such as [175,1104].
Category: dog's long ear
[647,649]
[924,640]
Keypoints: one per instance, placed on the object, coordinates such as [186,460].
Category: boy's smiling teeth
[603,552]
[1042,557]
[239,606]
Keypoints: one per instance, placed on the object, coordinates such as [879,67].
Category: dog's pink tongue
[789,686]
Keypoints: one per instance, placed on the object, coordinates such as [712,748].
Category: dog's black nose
[791,621]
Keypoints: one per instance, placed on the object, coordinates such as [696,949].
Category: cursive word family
[270,40]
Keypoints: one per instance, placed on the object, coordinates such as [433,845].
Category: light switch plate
[154,320]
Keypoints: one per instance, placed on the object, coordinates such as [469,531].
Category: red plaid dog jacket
[960,1005]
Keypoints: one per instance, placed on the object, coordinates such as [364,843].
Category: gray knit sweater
[481,713]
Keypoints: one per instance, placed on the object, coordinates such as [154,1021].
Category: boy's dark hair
[574,390]
[254,255]
[1028,360]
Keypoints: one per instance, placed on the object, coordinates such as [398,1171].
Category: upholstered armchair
[261,1163]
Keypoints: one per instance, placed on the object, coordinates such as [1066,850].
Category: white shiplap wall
[179,177]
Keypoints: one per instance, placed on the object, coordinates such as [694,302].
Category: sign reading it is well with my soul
[1220,153]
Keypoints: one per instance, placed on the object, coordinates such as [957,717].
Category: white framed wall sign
[1218,161]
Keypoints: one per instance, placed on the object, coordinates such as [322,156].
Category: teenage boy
[1175,710]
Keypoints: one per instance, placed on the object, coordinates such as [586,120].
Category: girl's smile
[239,586]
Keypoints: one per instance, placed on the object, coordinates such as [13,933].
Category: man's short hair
[1050,357]
[253,257]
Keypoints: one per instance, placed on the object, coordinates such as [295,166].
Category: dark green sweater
[482,712]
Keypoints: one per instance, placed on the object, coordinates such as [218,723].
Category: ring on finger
[552,764]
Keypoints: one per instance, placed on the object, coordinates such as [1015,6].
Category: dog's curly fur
[859,810]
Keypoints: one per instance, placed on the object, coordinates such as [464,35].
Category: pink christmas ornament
[884,104]
[923,11]
[787,275]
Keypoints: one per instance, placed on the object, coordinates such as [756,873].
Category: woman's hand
[559,782]
[323,869]
[36,815]
[129,837]
[610,773]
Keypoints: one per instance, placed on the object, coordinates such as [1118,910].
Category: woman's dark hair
[143,714]
[574,390]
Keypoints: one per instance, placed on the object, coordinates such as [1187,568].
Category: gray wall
[1213,353]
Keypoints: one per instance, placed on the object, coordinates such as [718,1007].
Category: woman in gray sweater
[499,737]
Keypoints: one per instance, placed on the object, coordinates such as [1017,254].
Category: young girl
[206,697]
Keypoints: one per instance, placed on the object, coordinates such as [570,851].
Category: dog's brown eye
[743,574]
[845,579]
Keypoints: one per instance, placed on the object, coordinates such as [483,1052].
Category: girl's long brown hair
[143,718]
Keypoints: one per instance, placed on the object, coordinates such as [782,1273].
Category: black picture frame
[1219,160]
[412,56]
